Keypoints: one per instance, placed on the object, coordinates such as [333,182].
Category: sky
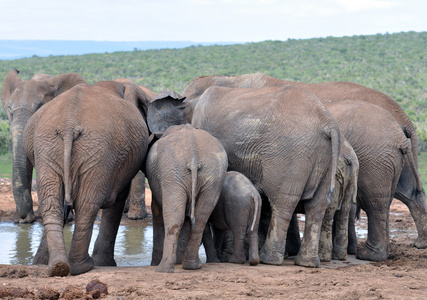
[206,20]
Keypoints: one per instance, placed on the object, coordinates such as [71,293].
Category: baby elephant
[238,210]
[185,169]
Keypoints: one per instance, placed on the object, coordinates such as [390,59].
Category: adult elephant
[85,161]
[21,99]
[282,138]
[409,188]
[382,149]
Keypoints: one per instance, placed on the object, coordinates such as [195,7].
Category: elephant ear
[8,86]
[166,109]
[136,95]
[64,82]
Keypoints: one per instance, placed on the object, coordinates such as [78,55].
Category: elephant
[282,138]
[382,149]
[85,155]
[21,99]
[185,169]
[238,210]
[409,188]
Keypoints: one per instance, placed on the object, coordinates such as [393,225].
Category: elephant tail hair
[335,140]
[194,168]
[69,136]
[257,205]
[411,161]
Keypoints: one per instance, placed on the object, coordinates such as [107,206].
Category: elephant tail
[194,168]
[69,136]
[411,162]
[335,140]
[257,203]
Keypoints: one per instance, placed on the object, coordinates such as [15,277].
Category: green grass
[6,165]
[422,167]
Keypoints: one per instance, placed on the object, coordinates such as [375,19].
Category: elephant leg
[239,256]
[137,209]
[376,246]
[173,217]
[205,204]
[223,248]
[352,237]
[158,232]
[315,208]
[103,251]
[272,252]
[325,240]
[340,232]
[208,243]
[253,248]
[293,239]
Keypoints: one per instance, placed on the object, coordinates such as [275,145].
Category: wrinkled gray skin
[85,161]
[265,132]
[185,168]
[382,149]
[238,210]
[409,190]
[21,99]
[333,241]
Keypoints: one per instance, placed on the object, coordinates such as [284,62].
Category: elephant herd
[242,153]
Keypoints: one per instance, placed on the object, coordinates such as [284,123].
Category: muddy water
[134,243]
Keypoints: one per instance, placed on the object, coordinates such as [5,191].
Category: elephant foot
[325,256]
[305,261]
[271,258]
[30,218]
[191,264]
[372,254]
[420,243]
[165,268]
[253,261]
[58,268]
[103,261]
[137,214]
[340,254]
[237,260]
[79,268]
[352,249]
[212,260]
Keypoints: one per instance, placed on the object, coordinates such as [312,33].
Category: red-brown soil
[402,276]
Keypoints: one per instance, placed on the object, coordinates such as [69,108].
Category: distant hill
[20,49]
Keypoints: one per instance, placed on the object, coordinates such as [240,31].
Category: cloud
[365,5]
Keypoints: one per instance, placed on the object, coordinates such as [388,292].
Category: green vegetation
[6,165]
[395,64]
[422,167]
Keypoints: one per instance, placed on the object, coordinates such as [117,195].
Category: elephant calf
[185,169]
[238,210]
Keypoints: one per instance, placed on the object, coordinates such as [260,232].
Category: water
[134,243]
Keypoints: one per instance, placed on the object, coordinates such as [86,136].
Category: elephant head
[166,109]
[21,99]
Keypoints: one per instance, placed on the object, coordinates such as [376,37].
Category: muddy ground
[402,276]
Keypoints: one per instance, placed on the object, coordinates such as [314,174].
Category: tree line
[395,64]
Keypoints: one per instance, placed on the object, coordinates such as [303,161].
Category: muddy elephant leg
[253,248]
[136,199]
[325,240]
[340,231]
[352,236]
[208,243]
[272,252]
[239,256]
[376,246]
[315,208]
[42,254]
[173,218]
[206,202]
[103,251]
[158,232]
[222,245]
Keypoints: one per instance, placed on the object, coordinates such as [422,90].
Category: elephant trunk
[21,171]
[58,263]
